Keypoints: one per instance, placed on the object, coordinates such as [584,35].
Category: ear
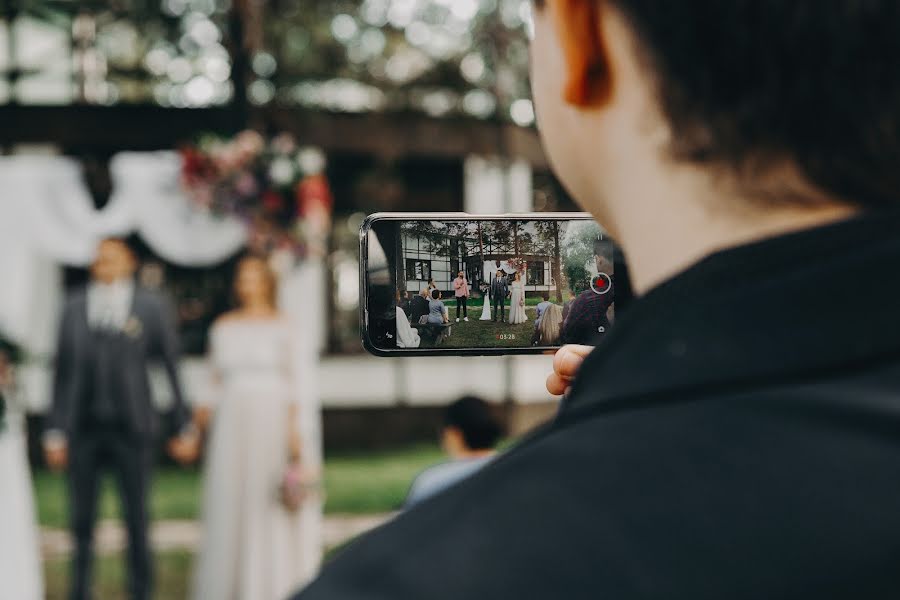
[587,77]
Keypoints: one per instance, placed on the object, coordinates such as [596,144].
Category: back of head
[550,326]
[436,294]
[752,85]
[473,417]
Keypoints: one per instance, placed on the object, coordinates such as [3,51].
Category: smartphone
[460,284]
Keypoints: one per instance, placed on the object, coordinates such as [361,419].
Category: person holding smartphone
[734,434]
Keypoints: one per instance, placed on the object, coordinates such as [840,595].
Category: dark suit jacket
[152,337]
[736,435]
[418,307]
[499,289]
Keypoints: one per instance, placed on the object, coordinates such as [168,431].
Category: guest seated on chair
[419,306]
[407,337]
[437,314]
[471,431]
[547,333]
[403,301]
[543,306]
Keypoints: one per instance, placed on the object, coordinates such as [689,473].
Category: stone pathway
[110,536]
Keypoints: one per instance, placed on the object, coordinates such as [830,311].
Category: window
[535,273]
[420,270]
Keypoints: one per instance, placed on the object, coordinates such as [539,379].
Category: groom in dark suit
[499,292]
[103,417]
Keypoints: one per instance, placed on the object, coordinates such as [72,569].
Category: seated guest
[541,308]
[403,301]
[407,337]
[471,431]
[418,307]
[437,313]
[548,331]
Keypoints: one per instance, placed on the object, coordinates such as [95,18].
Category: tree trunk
[516,238]
[399,263]
[557,264]
[480,249]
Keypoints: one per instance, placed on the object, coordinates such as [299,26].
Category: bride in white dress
[517,300]
[254,547]
[20,564]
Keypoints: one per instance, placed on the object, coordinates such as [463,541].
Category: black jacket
[418,308]
[150,337]
[499,289]
[735,436]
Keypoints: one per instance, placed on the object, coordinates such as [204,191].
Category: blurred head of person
[152,275]
[436,294]
[425,292]
[676,126]
[255,284]
[603,256]
[470,429]
[114,261]
[499,274]
[545,295]
[461,275]
[550,325]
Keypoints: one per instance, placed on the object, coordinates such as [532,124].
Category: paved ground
[185,535]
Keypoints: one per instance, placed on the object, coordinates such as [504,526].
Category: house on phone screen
[437,251]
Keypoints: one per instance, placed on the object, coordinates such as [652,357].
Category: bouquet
[277,188]
[517,263]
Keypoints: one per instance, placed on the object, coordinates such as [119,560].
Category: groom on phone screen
[499,292]
[103,417]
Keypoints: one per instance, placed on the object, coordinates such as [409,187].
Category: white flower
[281,172]
[311,161]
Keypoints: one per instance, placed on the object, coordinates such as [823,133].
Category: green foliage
[578,253]
[173,571]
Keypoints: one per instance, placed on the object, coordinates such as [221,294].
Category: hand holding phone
[566,363]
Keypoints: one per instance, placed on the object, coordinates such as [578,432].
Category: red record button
[601,284]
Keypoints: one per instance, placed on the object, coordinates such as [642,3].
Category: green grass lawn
[356,483]
[172,577]
[487,334]
[360,483]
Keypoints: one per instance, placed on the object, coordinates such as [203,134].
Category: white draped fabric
[488,276]
[20,563]
[47,217]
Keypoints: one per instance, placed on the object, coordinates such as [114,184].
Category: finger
[568,360]
[556,385]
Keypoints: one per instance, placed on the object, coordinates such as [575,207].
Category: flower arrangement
[275,186]
[517,263]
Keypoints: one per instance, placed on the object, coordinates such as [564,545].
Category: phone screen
[485,284]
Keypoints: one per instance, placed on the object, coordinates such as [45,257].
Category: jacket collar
[793,307]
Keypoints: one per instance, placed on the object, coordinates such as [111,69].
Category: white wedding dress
[517,296]
[253,548]
[21,576]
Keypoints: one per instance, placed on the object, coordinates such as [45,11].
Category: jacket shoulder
[151,298]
